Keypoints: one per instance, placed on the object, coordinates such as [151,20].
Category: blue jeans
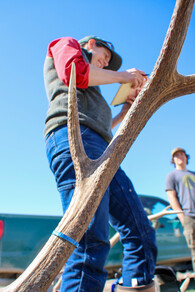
[120,206]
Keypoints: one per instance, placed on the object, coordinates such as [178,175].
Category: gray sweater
[94,111]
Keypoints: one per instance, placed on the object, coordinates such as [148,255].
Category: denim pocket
[62,167]
[56,142]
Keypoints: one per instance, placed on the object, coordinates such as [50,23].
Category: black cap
[115,61]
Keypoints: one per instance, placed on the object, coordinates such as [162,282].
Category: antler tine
[163,85]
[79,157]
[178,27]
[183,85]
[172,83]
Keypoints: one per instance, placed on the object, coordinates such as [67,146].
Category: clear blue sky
[137,28]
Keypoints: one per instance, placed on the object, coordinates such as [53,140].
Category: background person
[96,64]
[180,188]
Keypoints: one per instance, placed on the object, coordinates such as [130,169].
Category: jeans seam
[83,264]
[145,232]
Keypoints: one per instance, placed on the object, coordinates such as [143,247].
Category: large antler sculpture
[93,177]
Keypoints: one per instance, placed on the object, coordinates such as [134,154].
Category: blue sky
[137,28]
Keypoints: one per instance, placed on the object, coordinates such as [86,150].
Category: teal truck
[22,237]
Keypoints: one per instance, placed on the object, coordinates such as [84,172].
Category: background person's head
[93,44]
[179,157]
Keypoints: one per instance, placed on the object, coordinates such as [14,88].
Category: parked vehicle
[22,237]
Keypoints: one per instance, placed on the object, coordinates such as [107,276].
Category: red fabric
[1,228]
[64,51]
